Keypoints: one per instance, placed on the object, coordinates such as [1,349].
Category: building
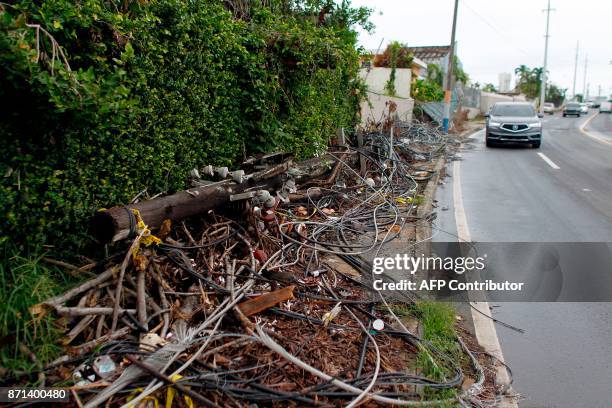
[437,54]
[376,106]
[418,67]
[422,57]
[504,82]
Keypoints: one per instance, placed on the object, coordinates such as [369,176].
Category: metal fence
[468,97]
[471,98]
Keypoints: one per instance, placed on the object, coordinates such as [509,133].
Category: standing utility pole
[588,90]
[584,91]
[449,74]
[543,85]
[575,71]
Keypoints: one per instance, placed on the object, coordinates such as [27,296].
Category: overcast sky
[496,36]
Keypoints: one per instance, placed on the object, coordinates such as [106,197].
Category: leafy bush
[426,91]
[103,98]
[395,55]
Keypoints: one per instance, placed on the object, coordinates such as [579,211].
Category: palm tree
[523,74]
[537,73]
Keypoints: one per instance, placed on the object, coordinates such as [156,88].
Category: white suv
[549,108]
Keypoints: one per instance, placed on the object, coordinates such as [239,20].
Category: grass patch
[25,281]
[437,322]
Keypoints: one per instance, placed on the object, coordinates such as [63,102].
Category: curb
[483,328]
[481,319]
[592,135]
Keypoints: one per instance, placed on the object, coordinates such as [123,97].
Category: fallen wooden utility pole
[116,223]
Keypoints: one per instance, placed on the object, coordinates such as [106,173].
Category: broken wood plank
[265,301]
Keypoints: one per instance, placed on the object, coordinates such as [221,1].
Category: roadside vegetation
[431,89]
[108,100]
[24,281]
[437,321]
[529,82]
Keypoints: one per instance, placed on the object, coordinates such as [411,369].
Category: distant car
[513,122]
[598,101]
[605,107]
[584,108]
[549,108]
[589,104]
[572,108]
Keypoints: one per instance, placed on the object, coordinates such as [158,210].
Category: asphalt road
[510,194]
[602,125]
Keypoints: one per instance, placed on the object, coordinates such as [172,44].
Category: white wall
[487,100]
[374,107]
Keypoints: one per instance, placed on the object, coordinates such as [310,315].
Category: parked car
[572,108]
[513,122]
[589,104]
[549,108]
[605,107]
[584,109]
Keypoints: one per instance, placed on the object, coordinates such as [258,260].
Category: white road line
[548,161]
[484,328]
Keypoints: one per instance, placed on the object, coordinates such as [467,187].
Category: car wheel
[564,115]
[536,145]
[489,143]
[578,115]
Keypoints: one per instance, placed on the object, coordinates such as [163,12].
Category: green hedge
[154,89]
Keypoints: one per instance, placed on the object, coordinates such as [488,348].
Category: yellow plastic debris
[148,398]
[172,393]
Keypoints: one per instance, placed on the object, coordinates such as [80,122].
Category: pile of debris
[228,294]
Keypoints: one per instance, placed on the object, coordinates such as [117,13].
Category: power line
[493,27]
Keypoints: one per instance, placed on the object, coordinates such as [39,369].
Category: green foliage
[149,90]
[396,54]
[489,87]
[555,94]
[438,319]
[426,91]
[529,81]
[435,74]
[430,88]
[394,48]
[23,283]
[458,72]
